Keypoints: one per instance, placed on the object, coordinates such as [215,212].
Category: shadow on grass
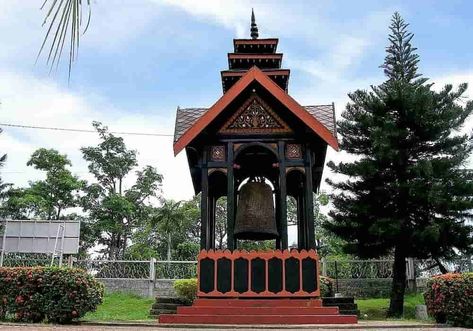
[375,309]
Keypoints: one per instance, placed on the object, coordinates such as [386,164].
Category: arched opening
[217,216]
[256,163]
[295,181]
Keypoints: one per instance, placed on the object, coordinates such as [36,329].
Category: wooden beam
[309,199]
[282,196]
[211,228]
[231,198]
[204,204]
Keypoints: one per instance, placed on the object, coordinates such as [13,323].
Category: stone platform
[257,312]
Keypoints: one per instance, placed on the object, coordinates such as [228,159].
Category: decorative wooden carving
[217,153]
[293,151]
[276,274]
[255,116]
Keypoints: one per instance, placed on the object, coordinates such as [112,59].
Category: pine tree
[409,192]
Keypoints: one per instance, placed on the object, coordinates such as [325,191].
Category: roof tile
[186,117]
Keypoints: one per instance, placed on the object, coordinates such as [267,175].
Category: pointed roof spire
[254,27]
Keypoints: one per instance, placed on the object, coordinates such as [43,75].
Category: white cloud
[26,100]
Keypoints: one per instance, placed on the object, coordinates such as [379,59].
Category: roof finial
[254,27]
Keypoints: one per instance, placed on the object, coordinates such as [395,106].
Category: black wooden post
[309,200]
[282,196]
[231,198]
[204,204]
[278,218]
[301,237]
[211,226]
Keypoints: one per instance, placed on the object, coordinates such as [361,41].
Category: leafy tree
[58,192]
[326,242]
[3,186]
[187,251]
[408,193]
[192,221]
[45,199]
[115,210]
[168,219]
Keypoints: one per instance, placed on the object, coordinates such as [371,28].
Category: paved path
[375,326]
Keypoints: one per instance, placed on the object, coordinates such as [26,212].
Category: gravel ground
[379,326]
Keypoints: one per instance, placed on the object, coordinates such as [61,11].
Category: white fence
[157,269]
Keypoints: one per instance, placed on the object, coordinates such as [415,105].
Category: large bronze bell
[255,218]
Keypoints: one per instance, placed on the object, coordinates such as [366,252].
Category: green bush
[186,289]
[449,298]
[326,286]
[31,294]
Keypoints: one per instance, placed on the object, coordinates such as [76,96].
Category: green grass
[375,309]
[131,307]
[121,307]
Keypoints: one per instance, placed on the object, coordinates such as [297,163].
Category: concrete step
[350,312]
[201,302]
[157,312]
[257,310]
[170,306]
[342,306]
[169,299]
[257,319]
[329,300]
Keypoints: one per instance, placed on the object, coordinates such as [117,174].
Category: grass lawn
[131,307]
[121,307]
[376,308]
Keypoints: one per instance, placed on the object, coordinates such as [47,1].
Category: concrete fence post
[70,261]
[152,276]
[411,275]
[323,262]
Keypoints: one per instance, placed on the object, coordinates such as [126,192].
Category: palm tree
[64,19]
[169,218]
[3,185]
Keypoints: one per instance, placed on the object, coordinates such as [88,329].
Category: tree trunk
[441,267]
[398,289]
[169,246]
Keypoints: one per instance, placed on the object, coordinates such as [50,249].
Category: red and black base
[275,287]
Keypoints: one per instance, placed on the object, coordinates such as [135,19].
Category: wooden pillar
[309,200]
[231,198]
[282,196]
[211,226]
[278,219]
[204,204]
[301,238]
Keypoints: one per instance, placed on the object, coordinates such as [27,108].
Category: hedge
[187,288]
[449,298]
[60,295]
[326,286]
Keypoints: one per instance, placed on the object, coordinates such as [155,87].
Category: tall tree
[408,192]
[45,199]
[117,210]
[168,219]
[59,191]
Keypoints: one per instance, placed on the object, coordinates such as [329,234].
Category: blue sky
[140,59]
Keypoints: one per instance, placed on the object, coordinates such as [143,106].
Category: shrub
[186,289]
[326,286]
[449,298]
[31,294]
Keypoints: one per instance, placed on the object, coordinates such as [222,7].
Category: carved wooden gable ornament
[254,117]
